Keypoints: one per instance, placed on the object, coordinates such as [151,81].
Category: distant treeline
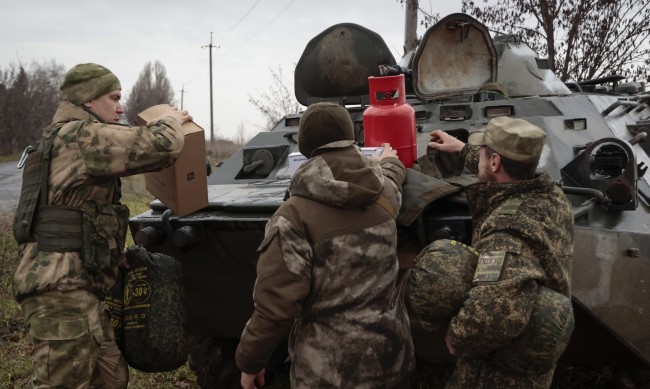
[29,96]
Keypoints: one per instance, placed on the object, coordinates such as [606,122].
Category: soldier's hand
[450,348]
[248,381]
[444,142]
[174,113]
[124,263]
[387,152]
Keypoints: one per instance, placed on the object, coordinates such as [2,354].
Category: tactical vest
[55,228]
[96,231]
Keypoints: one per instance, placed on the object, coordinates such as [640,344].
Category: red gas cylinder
[389,119]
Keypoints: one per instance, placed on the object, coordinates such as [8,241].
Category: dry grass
[221,150]
[15,347]
[11,157]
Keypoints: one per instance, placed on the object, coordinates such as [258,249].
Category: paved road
[10,181]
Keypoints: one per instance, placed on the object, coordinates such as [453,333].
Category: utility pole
[182,94]
[210,46]
[410,25]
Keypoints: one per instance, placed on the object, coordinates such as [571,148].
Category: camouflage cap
[513,138]
[86,81]
[323,123]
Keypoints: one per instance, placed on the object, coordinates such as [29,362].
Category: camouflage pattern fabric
[327,271]
[104,232]
[547,335]
[87,156]
[471,155]
[439,282]
[524,232]
[73,341]
[85,162]
[87,81]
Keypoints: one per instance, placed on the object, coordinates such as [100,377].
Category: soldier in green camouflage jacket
[60,289]
[328,267]
[523,230]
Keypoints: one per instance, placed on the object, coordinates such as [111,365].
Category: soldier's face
[107,107]
[485,172]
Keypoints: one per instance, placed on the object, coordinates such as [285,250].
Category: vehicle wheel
[213,362]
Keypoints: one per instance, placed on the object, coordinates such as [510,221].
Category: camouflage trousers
[480,373]
[74,344]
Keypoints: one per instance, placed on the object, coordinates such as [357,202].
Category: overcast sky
[252,37]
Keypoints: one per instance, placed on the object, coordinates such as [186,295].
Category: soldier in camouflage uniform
[62,300]
[328,266]
[523,230]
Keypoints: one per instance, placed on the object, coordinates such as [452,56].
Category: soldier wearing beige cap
[523,231]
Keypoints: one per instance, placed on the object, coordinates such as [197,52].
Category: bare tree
[44,81]
[151,88]
[28,99]
[277,101]
[428,19]
[583,39]
[240,137]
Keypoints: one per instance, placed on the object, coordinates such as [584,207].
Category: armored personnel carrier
[458,78]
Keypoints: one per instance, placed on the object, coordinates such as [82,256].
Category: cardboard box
[296,159]
[182,187]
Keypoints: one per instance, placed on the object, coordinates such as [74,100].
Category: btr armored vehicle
[456,80]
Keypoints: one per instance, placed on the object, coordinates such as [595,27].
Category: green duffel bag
[154,312]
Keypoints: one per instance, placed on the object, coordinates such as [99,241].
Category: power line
[193,72]
[211,46]
[231,28]
[265,27]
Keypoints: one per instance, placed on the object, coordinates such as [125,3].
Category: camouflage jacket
[87,156]
[524,234]
[327,269]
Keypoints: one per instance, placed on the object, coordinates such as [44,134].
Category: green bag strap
[57,228]
[47,151]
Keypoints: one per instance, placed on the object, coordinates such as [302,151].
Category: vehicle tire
[213,362]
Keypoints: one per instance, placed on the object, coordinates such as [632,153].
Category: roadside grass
[8,158]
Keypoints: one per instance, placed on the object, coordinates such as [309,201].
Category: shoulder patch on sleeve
[489,266]
[510,206]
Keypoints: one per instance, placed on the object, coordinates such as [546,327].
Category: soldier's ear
[495,162]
